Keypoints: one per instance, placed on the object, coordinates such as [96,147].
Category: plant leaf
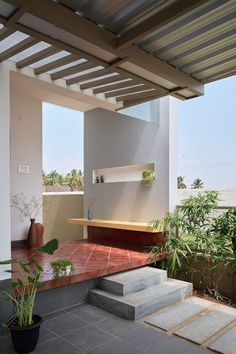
[50,247]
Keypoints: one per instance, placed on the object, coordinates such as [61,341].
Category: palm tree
[54,177]
[197,183]
[180,183]
[74,180]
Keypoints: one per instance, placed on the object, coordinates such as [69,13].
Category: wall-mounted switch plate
[23,169]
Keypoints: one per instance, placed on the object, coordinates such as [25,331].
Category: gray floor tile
[117,346]
[89,338]
[90,313]
[64,324]
[45,335]
[6,346]
[147,338]
[117,326]
[54,315]
[57,346]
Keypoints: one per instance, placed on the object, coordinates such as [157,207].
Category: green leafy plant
[23,289]
[148,176]
[199,239]
[62,268]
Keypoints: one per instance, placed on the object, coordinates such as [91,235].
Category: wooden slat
[6,32]
[115,86]
[36,57]
[72,70]
[127,91]
[105,81]
[19,47]
[85,77]
[141,95]
[56,64]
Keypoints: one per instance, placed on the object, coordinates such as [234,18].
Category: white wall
[26,148]
[112,140]
[5,227]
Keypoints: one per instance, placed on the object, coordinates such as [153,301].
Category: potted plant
[62,268]
[24,325]
[148,176]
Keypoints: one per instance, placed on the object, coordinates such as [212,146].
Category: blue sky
[62,139]
[206,137]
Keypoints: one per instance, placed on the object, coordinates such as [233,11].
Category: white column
[172,153]
[5,224]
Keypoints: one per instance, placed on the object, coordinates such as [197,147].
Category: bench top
[115,224]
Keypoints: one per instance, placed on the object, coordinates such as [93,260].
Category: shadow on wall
[57,209]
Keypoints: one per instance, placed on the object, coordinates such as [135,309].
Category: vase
[35,234]
[90,214]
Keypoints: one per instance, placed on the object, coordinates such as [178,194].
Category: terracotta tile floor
[91,260]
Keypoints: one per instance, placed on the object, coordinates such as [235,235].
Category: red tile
[91,260]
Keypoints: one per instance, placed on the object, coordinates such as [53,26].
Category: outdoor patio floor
[87,329]
[91,260]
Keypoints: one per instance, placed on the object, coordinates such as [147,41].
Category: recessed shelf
[129,173]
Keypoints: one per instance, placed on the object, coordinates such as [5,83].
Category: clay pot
[35,234]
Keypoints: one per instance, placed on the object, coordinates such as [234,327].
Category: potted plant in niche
[62,268]
[24,325]
[148,176]
[30,208]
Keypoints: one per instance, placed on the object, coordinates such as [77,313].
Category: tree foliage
[74,179]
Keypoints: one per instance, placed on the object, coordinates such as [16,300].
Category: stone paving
[203,322]
[87,329]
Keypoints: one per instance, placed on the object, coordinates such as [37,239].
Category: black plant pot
[24,339]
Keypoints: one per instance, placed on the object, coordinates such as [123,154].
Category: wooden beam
[133,102]
[115,86]
[85,77]
[67,20]
[127,91]
[81,54]
[149,93]
[108,80]
[158,67]
[156,21]
[16,16]
[19,47]
[56,64]
[72,70]
[84,29]
[37,57]
[6,32]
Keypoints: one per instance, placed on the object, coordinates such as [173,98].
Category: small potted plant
[148,176]
[24,325]
[62,268]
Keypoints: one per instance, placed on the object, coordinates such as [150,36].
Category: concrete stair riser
[127,284]
[143,302]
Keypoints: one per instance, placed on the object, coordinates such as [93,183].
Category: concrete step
[139,304]
[132,281]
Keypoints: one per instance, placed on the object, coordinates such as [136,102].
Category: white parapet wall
[227,197]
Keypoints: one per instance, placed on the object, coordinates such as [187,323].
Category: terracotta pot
[35,234]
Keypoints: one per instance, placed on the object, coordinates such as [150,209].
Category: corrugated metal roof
[196,44]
